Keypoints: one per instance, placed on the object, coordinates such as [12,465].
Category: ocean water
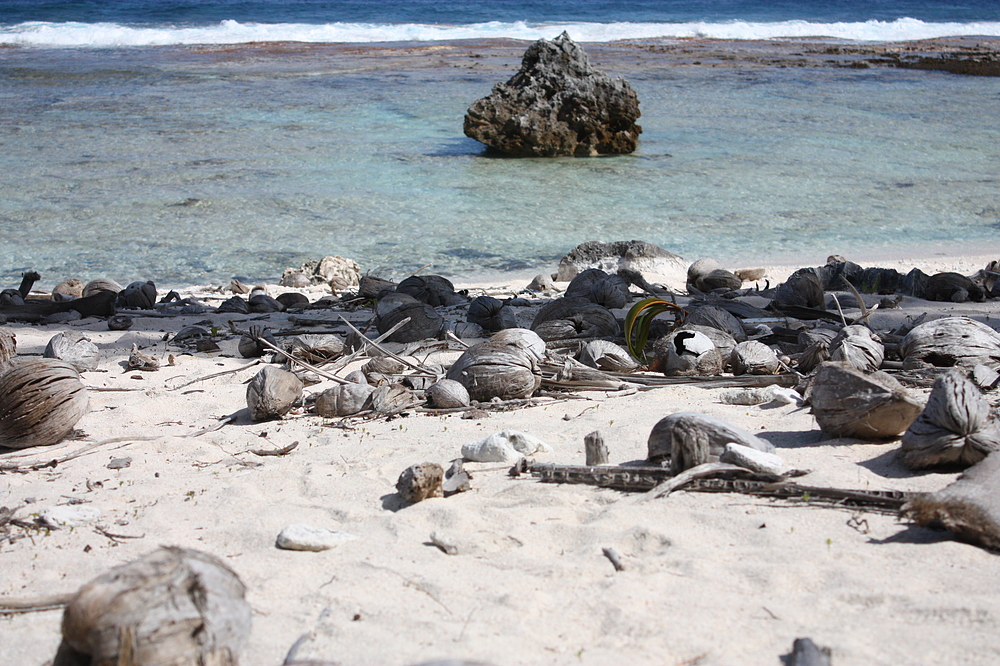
[188,141]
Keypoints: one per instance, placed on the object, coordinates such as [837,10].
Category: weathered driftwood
[858,347]
[688,439]
[595,448]
[948,342]
[504,366]
[754,358]
[712,478]
[849,403]
[75,348]
[344,400]
[448,393]
[491,314]
[272,393]
[99,304]
[969,507]
[8,344]
[687,353]
[954,428]
[41,401]
[421,481]
[173,607]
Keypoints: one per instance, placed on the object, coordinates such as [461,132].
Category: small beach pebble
[70,515]
[300,536]
[751,459]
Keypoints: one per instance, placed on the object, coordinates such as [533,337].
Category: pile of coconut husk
[500,351]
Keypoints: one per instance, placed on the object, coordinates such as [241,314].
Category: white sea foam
[45,34]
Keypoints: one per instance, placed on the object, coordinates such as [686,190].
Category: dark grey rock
[557,104]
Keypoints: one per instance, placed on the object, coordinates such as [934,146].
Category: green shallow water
[196,165]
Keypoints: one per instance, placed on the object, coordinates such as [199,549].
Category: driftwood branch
[721,478]
[285,450]
[17,606]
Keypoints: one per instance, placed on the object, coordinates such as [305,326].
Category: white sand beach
[708,578]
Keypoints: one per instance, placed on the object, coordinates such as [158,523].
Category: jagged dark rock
[557,104]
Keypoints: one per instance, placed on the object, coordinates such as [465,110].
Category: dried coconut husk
[235,304]
[370,286]
[687,353]
[433,290]
[448,393]
[814,355]
[714,317]
[316,348]
[954,428]
[138,295]
[858,347]
[172,607]
[491,314]
[754,358]
[425,322]
[689,439]
[272,393]
[262,303]
[41,401]
[382,368]
[250,346]
[505,366]
[570,318]
[94,287]
[969,507]
[393,398]
[8,345]
[700,268]
[606,355]
[724,342]
[953,287]
[71,287]
[583,282]
[720,278]
[293,299]
[611,292]
[344,400]
[950,341]
[75,348]
[803,288]
[849,403]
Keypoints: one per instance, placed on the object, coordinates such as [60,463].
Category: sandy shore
[708,578]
